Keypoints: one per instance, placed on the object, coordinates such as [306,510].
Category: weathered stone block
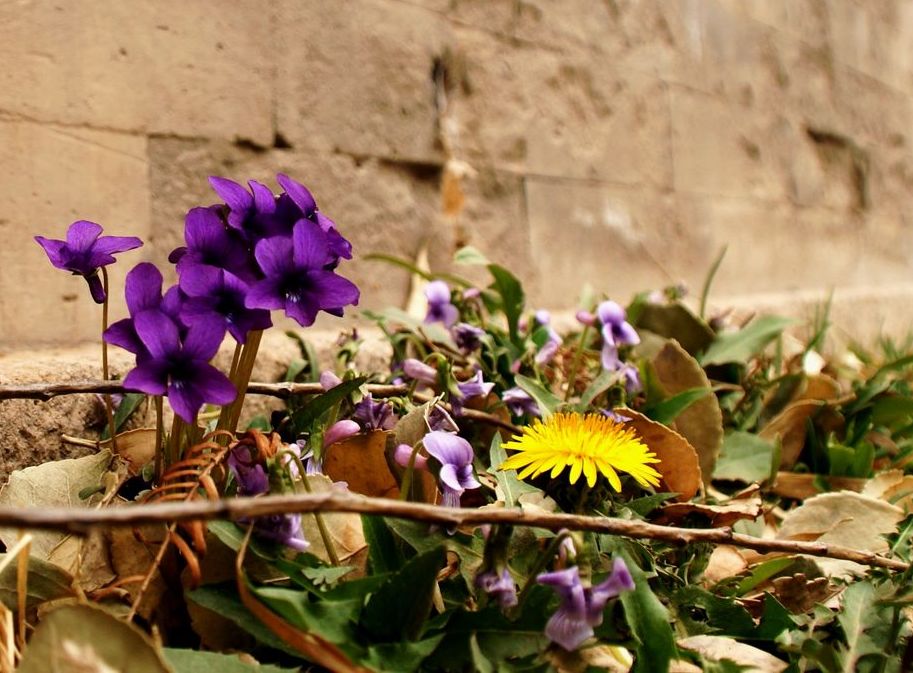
[49,177]
[197,68]
[616,239]
[357,77]
[549,114]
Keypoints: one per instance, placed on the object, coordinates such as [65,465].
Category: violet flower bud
[374,415]
[329,380]
[403,454]
[467,337]
[586,318]
[339,431]
[499,587]
[419,371]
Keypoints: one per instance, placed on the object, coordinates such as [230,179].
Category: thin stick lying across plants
[77,520]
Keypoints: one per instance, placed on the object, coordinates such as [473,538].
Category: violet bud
[419,371]
[329,380]
[403,454]
[339,431]
[586,318]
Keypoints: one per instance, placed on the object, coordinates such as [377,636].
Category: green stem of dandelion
[543,561]
[105,374]
[321,524]
[575,365]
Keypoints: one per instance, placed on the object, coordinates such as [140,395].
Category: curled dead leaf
[718,515]
[789,426]
[136,447]
[799,593]
[725,561]
[802,485]
[679,465]
[702,422]
[344,528]
[717,648]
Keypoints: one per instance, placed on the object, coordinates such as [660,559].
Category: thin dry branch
[76,520]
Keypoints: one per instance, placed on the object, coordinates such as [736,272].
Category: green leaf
[889,409]
[400,657]
[470,549]
[723,615]
[479,661]
[512,297]
[746,343]
[194,661]
[124,410]
[744,457]
[763,572]
[649,622]
[856,617]
[675,321]
[87,638]
[332,620]
[548,402]
[46,582]
[304,417]
[600,384]
[400,607]
[775,619]
[667,411]
[470,256]
[412,268]
[383,554]
[509,488]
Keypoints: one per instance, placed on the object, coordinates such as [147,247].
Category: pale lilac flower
[403,454]
[419,371]
[329,380]
[85,251]
[519,402]
[282,528]
[500,587]
[467,337]
[581,608]
[550,348]
[374,415]
[471,293]
[616,331]
[249,474]
[454,454]
[339,431]
[439,307]
[439,419]
[474,387]
[585,318]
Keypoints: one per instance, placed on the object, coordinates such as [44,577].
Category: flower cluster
[255,253]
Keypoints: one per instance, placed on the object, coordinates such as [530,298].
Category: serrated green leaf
[667,411]
[744,457]
[509,488]
[856,617]
[401,657]
[649,622]
[332,620]
[548,402]
[741,346]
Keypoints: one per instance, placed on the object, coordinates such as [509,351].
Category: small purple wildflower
[549,348]
[282,528]
[217,295]
[374,415]
[179,367]
[419,371]
[212,246]
[403,454]
[581,608]
[329,380]
[85,251]
[307,206]
[251,213]
[439,307]
[339,431]
[585,318]
[250,475]
[467,337]
[440,420]
[519,402]
[143,292]
[474,387]
[616,331]
[499,587]
[299,282]
[455,457]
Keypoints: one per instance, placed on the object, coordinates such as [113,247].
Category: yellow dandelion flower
[589,445]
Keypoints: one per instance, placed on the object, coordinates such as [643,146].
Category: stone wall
[616,142]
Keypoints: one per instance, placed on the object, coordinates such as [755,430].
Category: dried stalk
[77,520]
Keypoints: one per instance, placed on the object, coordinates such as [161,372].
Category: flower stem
[109,405]
[575,365]
[159,436]
[240,377]
[546,556]
[174,442]
[321,524]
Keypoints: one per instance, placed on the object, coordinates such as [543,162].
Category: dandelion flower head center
[589,444]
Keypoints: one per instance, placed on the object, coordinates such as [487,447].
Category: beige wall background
[615,142]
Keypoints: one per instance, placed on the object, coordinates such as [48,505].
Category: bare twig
[77,520]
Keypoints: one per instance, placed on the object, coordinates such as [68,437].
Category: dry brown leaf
[719,515]
[842,518]
[344,528]
[725,561]
[701,423]
[789,426]
[136,447]
[612,658]
[801,485]
[131,557]
[799,594]
[717,648]
[820,387]
[361,462]
[679,466]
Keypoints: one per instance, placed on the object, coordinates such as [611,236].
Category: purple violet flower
[143,292]
[403,454]
[474,387]
[419,371]
[250,213]
[439,307]
[549,348]
[219,296]
[581,608]
[282,528]
[85,251]
[374,415]
[307,206]
[439,419]
[520,402]
[179,367]
[211,246]
[500,588]
[250,475]
[616,331]
[339,431]
[467,337]
[455,457]
[298,282]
